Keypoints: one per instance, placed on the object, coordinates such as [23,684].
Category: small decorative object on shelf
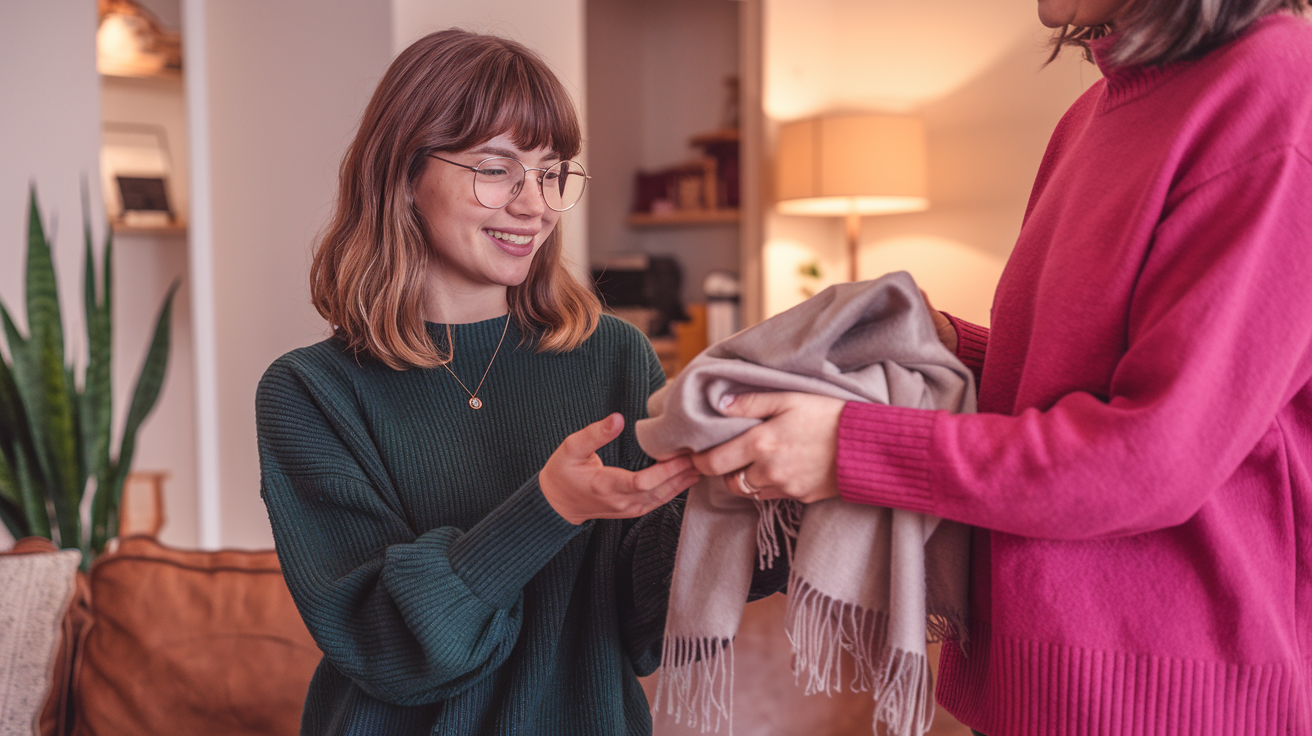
[135,164]
[130,42]
[722,291]
[704,190]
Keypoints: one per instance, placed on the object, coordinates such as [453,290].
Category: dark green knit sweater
[447,595]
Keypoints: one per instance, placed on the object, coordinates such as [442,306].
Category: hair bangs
[519,96]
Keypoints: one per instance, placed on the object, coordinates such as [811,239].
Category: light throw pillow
[36,591]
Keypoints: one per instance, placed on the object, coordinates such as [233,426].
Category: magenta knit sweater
[1143,451]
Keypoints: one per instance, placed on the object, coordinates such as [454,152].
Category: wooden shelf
[684,217]
[724,135]
[121,229]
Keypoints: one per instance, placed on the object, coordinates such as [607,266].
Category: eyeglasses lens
[497,182]
[562,185]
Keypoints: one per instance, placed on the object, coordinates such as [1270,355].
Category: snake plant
[56,430]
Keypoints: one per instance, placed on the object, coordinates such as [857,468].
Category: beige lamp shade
[851,165]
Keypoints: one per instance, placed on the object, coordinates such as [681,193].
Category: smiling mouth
[510,237]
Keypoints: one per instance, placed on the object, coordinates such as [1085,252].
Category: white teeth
[510,237]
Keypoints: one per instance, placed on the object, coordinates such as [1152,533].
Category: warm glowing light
[839,206]
[787,265]
[851,165]
[959,278]
[891,55]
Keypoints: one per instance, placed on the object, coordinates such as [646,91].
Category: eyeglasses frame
[526,169]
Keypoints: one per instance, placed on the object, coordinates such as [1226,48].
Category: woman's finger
[673,487]
[582,444]
[762,405]
[654,475]
[729,456]
[735,483]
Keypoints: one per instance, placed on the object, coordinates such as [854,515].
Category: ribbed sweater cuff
[971,342]
[499,555]
[883,456]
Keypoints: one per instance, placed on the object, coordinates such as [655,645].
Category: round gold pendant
[475,403]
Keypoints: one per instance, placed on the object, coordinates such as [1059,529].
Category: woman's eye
[493,172]
[552,176]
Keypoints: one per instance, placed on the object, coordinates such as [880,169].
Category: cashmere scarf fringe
[777,515]
[697,674]
[697,679]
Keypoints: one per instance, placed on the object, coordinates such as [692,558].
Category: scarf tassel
[821,628]
[778,517]
[697,680]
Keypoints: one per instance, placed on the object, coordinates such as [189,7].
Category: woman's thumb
[596,435]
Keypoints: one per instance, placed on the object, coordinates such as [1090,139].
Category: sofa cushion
[188,642]
[38,582]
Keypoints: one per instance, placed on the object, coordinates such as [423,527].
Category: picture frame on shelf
[136,167]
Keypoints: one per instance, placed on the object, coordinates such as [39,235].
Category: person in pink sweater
[1140,469]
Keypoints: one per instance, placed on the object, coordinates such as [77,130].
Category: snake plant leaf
[11,514]
[28,427]
[144,396]
[95,407]
[12,420]
[47,396]
[33,500]
[8,480]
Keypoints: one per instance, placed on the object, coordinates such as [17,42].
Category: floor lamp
[850,166]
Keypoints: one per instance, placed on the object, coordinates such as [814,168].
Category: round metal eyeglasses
[498,180]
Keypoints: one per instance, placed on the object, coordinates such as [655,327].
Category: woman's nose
[529,202]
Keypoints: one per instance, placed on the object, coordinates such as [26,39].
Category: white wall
[144,267]
[553,29]
[50,136]
[286,83]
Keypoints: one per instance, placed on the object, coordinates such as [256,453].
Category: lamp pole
[853,235]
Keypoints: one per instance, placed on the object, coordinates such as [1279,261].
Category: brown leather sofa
[163,641]
[166,641]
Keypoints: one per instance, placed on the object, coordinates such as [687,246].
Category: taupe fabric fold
[871,581]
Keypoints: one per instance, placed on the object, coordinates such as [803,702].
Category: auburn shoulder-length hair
[1158,32]
[448,91]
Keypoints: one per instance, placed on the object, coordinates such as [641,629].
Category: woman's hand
[947,334]
[579,487]
[790,455]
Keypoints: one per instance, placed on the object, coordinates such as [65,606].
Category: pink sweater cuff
[971,343]
[883,456]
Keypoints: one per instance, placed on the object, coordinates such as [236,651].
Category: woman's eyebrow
[508,153]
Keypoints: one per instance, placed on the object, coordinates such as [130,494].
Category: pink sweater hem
[1036,688]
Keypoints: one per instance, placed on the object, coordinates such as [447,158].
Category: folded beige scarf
[875,583]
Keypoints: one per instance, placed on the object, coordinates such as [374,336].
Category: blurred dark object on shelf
[689,186]
[707,186]
[642,289]
[730,118]
[722,146]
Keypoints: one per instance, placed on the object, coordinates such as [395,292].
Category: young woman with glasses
[464,518]
[1140,472]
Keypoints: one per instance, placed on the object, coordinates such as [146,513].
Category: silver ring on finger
[748,488]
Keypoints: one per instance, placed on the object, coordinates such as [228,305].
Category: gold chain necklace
[474,401]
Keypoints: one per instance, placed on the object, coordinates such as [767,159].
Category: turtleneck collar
[1124,82]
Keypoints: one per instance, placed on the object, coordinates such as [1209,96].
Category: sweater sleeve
[972,340]
[411,618]
[1219,329]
